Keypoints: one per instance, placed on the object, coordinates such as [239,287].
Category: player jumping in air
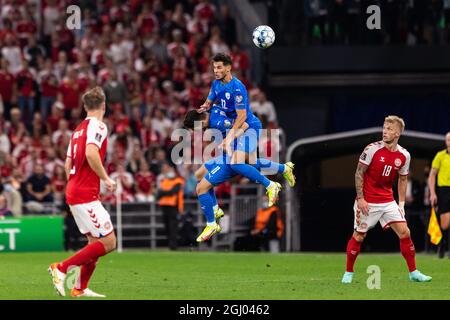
[84,170]
[232,98]
[219,169]
[378,167]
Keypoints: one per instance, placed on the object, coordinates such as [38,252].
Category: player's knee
[201,189]
[110,242]
[359,236]
[198,174]
[404,233]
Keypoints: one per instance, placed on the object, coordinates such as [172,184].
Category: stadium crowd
[152,59]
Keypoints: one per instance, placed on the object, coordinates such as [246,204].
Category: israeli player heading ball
[263,36]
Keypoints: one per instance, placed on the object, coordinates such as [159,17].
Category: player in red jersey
[84,170]
[378,167]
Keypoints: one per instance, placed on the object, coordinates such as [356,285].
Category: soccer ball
[263,36]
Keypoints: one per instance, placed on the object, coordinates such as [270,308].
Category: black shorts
[443,194]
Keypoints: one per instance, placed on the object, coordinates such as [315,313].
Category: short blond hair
[94,99]
[397,120]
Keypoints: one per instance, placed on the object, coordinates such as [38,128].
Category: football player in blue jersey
[220,169]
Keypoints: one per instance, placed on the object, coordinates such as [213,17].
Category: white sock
[271,185]
[210,224]
[216,207]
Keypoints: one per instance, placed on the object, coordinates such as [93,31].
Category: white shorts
[385,213]
[92,218]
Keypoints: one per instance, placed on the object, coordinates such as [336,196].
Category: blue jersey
[219,120]
[233,96]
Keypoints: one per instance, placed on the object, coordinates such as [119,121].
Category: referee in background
[440,167]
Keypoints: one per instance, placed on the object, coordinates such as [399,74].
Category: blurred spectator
[160,123]
[69,92]
[5,145]
[55,116]
[8,87]
[157,161]
[63,130]
[4,210]
[227,25]
[262,106]
[170,199]
[191,181]
[33,51]
[137,157]
[11,52]
[145,181]
[126,179]
[216,42]
[59,184]
[149,137]
[49,88]
[39,186]
[115,91]
[26,86]
[268,228]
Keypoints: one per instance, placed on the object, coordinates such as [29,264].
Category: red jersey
[84,184]
[383,167]
[144,181]
[6,85]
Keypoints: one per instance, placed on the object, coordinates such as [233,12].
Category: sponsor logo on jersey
[398,162]
[227,95]
[98,137]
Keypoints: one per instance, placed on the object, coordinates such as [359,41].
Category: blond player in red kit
[379,165]
[84,170]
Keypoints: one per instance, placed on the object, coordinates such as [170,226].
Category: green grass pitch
[163,275]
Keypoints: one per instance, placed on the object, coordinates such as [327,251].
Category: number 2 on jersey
[387,171]
[72,171]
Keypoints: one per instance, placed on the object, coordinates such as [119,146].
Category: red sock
[353,249]
[85,255]
[409,253]
[86,271]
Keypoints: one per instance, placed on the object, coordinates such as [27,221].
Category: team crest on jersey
[398,162]
[239,99]
[227,95]
[107,225]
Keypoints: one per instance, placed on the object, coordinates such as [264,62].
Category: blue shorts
[248,142]
[218,171]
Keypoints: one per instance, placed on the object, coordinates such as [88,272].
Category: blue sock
[206,204]
[266,163]
[251,173]
[213,196]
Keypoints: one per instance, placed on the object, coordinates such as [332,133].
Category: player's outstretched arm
[359,184]
[205,106]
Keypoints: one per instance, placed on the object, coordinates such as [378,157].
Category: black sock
[445,239]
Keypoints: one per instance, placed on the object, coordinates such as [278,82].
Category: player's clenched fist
[110,184]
